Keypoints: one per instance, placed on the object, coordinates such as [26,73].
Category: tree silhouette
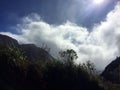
[68,56]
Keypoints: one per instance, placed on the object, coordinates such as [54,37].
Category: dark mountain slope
[112,71]
[6,40]
[33,52]
[30,50]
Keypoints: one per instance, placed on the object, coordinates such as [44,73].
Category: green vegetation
[18,73]
[68,56]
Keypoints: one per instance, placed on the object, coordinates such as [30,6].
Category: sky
[91,29]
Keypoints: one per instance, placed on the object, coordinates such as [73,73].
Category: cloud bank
[100,45]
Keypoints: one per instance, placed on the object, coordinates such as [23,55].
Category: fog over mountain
[32,52]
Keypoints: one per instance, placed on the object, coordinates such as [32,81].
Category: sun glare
[98,1]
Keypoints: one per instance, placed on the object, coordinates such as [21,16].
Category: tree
[68,56]
[13,54]
[89,67]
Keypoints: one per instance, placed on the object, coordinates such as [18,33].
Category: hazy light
[98,1]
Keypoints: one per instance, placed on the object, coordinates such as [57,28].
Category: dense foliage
[18,73]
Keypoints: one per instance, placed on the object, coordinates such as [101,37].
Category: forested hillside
[27,67]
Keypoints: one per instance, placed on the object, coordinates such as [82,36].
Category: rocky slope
[5,40]
[30,50]
[112,71]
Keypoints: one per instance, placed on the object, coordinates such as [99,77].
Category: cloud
[101,45]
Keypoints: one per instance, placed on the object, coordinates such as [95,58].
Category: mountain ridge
[30,50]
[112,71]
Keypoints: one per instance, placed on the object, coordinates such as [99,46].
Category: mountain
[6,40]
[19,73]
[30,50]
[35,53]
[112,71]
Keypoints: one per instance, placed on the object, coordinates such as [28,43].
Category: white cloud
[101,45]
